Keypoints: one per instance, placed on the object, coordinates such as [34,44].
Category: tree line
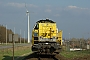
[77,43]
[9,31]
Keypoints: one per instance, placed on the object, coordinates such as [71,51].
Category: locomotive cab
[45,39]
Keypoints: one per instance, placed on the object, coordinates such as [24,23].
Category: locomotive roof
[45,21]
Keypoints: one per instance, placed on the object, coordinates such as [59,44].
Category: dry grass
[6,54]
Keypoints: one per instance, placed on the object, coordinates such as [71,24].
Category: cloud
[75,7]
[48,10]
[72,7]
[20,5]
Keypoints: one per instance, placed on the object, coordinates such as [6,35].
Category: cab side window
[37,26]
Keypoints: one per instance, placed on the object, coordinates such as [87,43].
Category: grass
[10,44]
[72,54]
[5,44]
[6,54]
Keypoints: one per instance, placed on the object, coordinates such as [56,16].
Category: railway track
[34,56]
[46,57]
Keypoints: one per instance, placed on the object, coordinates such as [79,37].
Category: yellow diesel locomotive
[46,39]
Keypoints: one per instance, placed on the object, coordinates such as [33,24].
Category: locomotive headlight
[54,38]
[40,38]
[46,43]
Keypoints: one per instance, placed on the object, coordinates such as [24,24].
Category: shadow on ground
[30,56]
[6,57]
[35,56]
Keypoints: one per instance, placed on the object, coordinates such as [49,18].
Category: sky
[71,16]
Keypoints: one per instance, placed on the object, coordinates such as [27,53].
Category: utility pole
[14,33]
[24,36]
[20,36]
[13,44]
[6,34]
